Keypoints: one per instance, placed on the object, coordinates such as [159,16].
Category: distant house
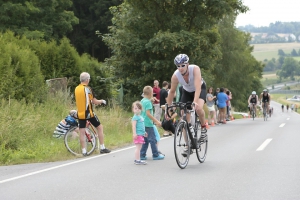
[265,37]
[287,36]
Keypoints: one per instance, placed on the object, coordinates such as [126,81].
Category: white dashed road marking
[282,125]
[263,145]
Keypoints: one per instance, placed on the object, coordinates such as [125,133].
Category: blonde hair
[73,113]
[138,104]
[148,90]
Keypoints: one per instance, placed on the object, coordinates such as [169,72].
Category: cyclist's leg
[82,125]
[97,124]
[200,101]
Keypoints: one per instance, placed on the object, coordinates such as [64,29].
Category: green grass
[26,131]
[270,50]
[261,56]
[281,98]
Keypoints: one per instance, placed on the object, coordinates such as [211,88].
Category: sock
[83,150]
[102,146]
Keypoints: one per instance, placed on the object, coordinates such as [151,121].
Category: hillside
[270,50]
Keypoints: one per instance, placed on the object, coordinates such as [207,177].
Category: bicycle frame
[183,106]
[89,125]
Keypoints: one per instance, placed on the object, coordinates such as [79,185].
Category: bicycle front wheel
[201,146]
[72,141]
[182,148]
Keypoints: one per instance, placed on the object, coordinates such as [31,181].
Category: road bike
[265,111]
[188,136]
[72,140]
[252,110]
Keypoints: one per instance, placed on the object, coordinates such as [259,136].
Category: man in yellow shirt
[84,97]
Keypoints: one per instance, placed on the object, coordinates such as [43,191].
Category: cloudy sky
[264,12]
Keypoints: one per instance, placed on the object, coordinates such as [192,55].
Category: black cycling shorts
[189,96]
[94,121]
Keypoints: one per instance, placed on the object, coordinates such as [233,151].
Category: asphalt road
[246,160]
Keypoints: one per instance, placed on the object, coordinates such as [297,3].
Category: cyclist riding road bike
[253,100]
[265,97]
[194,87]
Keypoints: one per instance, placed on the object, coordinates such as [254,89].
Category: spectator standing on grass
[147,114]
[210,102]
[163,100]
[228,105]
[156,97]
[85,97]
[222,98]
[138,130]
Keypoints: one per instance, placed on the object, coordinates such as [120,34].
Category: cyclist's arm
[249,99]
[96,101]
[197,80]
[269,99]
[171,95]
[256,99]
[260,96]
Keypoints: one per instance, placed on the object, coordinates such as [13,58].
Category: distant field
[269,51]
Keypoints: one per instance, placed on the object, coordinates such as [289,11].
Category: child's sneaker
[159,157]
[140,162]
[144,158]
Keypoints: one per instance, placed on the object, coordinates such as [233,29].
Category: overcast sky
[264,12]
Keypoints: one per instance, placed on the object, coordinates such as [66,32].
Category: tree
[289,68]
[37,19]
[294,53]
[93,16]
[237,69]
[147,35]
[21,77]
[281,52]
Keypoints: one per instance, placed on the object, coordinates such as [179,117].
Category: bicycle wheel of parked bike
[202,145]
[181,148]
[72,141]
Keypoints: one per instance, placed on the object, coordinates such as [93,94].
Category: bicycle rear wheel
[182,148]
[72,141]
[202,146]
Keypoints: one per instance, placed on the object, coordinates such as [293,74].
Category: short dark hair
[165,83]
[221,89]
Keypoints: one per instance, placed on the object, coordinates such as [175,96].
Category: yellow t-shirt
[83,97]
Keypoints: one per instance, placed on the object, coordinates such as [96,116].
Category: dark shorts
[94,121]
[189,96]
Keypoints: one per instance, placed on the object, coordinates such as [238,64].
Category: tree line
[137,41]
[277,27]
[285,66]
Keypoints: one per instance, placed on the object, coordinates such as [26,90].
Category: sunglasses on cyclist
[178,66]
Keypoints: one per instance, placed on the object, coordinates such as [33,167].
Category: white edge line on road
[263,145]
[282,125]
[63,165]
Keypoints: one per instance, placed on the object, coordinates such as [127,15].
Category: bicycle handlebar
[180,105]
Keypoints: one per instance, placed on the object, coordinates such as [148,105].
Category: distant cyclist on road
[253,99]
[265,98]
